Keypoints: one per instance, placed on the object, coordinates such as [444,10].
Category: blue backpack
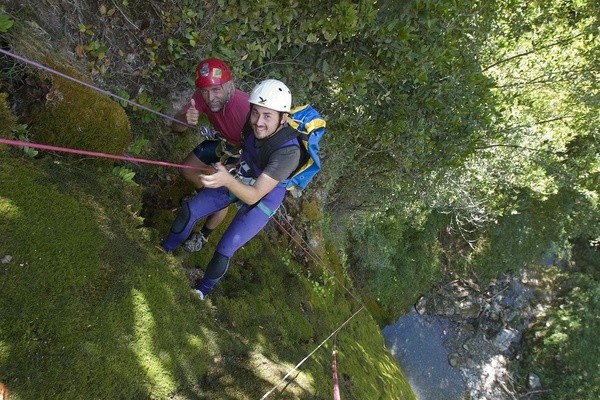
[306,120]
[309,127]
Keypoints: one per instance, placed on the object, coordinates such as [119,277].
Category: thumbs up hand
[192,113]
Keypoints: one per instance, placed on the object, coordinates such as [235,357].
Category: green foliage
[565,350]
[536,227]
[586,255]
[138,146]
[80,118]
[394,260]
[144,99]
[96,49]
[93,47]
[421,105]
[11,129]
[126,174]
[512,159]
[5,22]
[22,133]
[122,93]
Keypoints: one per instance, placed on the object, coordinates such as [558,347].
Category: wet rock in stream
[480,330]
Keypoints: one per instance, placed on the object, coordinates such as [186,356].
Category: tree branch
[546,121]
[507,145]
[562,41]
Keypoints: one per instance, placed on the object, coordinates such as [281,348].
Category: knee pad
[183,217]
[206,151]
[217,267]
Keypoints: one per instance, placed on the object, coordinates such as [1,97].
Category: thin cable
[304,245]
[307,247]
[318,261]
[105,92]
[101,155]
[311,353]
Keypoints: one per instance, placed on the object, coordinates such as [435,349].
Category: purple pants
[247,223]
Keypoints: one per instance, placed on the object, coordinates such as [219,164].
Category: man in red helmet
[227,110]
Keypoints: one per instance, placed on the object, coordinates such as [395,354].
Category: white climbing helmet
[272,94]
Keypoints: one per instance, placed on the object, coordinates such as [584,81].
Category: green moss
[82,294]
[311,210]
[7,119]
[91,309]
[75,116]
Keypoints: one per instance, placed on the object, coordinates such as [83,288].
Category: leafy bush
[5,22]
[396,260]
[536,227]
[586,256]
[565,350]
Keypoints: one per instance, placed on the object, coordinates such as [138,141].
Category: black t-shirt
[282,163]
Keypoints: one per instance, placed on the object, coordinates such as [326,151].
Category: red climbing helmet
[212,71]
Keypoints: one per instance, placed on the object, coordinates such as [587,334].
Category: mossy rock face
[311,210]
[75,116]
[7,119]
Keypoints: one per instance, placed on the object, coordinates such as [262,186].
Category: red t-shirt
[232,117]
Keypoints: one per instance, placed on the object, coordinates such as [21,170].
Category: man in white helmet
[270,154]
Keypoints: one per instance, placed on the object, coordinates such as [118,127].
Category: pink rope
[336,385]
[98,154]
[339,328]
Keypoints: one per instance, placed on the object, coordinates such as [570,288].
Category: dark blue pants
[247,223]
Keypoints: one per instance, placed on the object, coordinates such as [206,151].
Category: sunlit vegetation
[462,142]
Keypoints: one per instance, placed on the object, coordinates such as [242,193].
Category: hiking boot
[195,242]
[199,294]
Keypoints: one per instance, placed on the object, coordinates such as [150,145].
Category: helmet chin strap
[282,123]
[228,95]
[283,119]
[229,89]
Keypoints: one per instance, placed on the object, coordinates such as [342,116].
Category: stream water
[416,341]
[476,329]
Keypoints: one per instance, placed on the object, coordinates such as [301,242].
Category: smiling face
[216,96]
[265,121]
